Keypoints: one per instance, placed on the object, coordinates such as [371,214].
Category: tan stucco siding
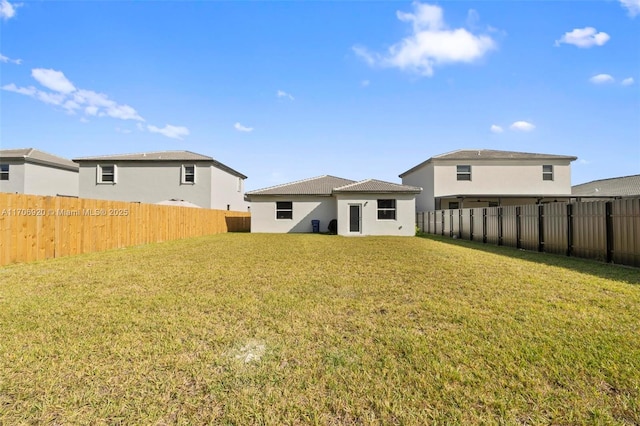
[502,178]
[422,178]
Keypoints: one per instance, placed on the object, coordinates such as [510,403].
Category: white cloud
[522,126]
[8,10]
[125,131]
[8,60]
[364,54]
[174,132]
[584,37]
[628,81]
[239,127]
[585,162]
[601,79]
[365,83]
[66,95]
[29,91]
[496,129]
[283,94]
[52,79]
[632,6]
[431,43]
[91,110]
[93,104]
[123,112]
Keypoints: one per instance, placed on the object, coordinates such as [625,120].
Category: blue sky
[286,90]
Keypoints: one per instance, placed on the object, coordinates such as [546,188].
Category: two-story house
[153,177]
[30,171]
[486,178]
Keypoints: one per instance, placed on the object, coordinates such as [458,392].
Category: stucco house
[152,177]
[31,171]
[487,178]
[618,187]
[368,207]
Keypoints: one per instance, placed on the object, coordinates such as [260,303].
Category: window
[188,174]
[547,172]
[107,174]
[284,210]
[464,172]
[4,172]
[239,184]
[387,209]
[454,205]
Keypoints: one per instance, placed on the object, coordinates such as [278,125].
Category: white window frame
[384,210]
[462,174]
[547,174]
[4,171]
[100,174]
[283,209]
[183,174]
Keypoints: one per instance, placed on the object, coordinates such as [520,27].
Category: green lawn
[298,329]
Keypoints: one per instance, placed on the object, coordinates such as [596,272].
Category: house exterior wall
[489,177]
[404,225]
[502,177]
[305,209]
[227,189]
[15,184]
[45,180]
[422,178]
[147,183]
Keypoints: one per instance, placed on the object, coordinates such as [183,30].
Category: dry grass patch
[299,329]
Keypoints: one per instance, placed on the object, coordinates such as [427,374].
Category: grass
[313,329]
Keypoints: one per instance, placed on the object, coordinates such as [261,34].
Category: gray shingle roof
[31,155]
[377,186]
[321,185]
[150,156]
[489,154]
[614,187]
[162,156]
[328,185]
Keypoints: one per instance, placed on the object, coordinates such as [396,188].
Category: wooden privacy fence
[34,227]
[602,230]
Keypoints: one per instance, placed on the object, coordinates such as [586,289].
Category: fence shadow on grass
[609,271]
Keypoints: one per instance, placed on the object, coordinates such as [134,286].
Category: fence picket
[35,227]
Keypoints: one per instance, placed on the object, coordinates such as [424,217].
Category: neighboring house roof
[328,185]
[34,156]
[377,186]
[489,154]
[161,156]
[614,187]
[321,185]
[179,203]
